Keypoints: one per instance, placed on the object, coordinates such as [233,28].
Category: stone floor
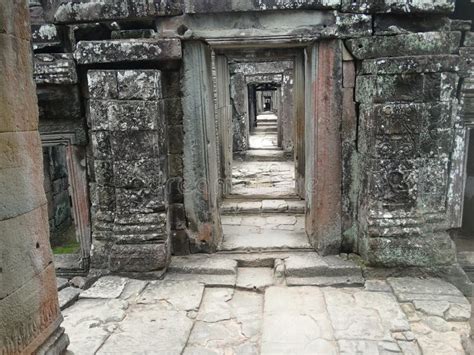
[260,314]
[269,178]
[265,169]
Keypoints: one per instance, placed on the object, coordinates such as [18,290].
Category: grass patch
[69,248]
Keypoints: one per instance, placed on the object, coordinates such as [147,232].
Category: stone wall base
[56,344]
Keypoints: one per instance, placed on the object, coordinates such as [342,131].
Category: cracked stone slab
[377,286]
[254,278]
[147,330]
[173,295]
[133,289]
[106,287]
[357,314]
[203,279]
[67,296]
[346,281]
[228,322]
[304,309]
[210,265]
[89,322]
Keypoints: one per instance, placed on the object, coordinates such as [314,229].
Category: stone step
[259,270]
[264,155]
[252,206]
[312,269]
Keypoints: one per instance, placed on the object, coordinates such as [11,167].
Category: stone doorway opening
[261,210]
[218,81]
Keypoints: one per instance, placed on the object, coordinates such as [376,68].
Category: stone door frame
[77,177]
[322,68]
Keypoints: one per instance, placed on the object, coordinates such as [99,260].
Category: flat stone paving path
[395,316]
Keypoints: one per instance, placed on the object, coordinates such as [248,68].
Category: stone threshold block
[312,269]
[423,43]
[132,50]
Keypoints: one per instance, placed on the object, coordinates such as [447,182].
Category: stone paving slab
[186,317]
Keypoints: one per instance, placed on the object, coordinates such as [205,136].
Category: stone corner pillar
[29,312]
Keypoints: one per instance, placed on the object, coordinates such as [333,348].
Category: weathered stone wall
[30,315]
[402,92]
[129,142]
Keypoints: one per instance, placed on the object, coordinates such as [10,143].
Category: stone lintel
[55,68]
[412,64]
[202,6]
[134,50]
[423,43]
[108,10]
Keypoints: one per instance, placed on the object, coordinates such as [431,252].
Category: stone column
[29,311]
[129,142]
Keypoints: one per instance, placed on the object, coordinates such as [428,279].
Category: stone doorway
[225,217]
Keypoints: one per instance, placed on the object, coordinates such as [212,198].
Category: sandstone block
[45,36]
[102,84]
[405,44]
[133,115]
[55,68]
[134,145]
[201,6]
[139,84]
[134,50]
[418,7]
[68,296]
[406,87]
[106,10]
[392,24]
[139,200]
[469,39]
[138,257]
[143,173]
[426,250]
[412,64]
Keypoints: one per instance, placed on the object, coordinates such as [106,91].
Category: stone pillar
[409,145]
[129,218]
[240,119]
[201,180]
[287,112]
[29,310]
[323,146]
